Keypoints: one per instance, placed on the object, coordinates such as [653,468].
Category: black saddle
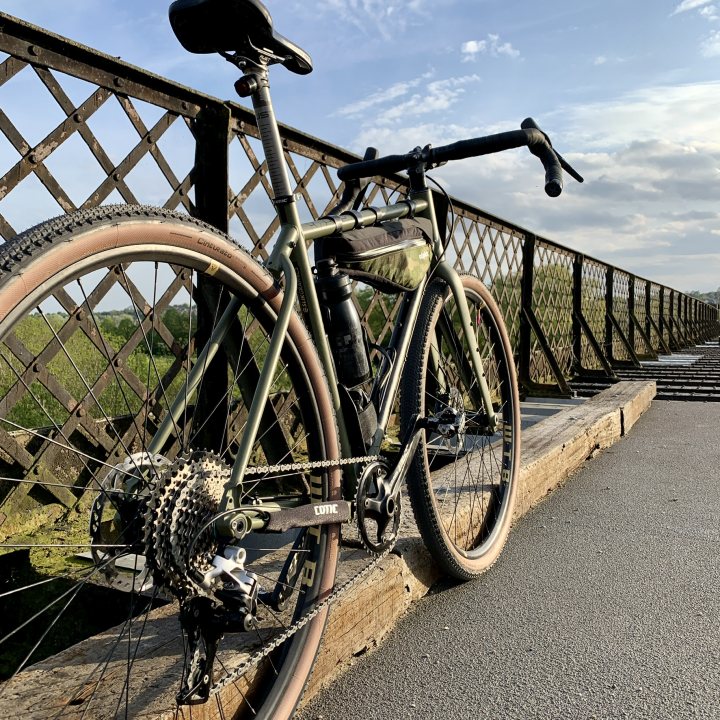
[241,26]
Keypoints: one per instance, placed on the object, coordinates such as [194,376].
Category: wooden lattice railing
[113,133]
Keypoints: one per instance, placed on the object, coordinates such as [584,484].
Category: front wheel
[462,482]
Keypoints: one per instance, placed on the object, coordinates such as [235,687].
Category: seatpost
[257,84]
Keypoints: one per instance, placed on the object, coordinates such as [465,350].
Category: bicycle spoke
[151,356]
[87,386]
[71,448]
[68,487]
[116,375]
[60,432]
[121,349]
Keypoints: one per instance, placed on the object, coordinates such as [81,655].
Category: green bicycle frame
[289,262]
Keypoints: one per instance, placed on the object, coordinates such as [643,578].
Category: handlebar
[529,135]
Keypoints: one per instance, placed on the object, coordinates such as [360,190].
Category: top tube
[370,216]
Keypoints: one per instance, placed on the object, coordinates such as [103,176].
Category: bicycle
[229,466]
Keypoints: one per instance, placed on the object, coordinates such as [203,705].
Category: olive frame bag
[392,256]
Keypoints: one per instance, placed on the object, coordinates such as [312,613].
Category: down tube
[447,273]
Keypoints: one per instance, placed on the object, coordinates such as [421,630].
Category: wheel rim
[124,402]
[471,470]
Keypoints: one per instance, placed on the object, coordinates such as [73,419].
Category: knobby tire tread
[418,483]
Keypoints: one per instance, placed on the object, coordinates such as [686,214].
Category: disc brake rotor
[117,512]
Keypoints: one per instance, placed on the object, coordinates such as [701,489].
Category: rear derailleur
[232,608]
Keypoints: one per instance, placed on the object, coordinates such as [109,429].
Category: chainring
[378,514]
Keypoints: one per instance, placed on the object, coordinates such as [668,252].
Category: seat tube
[231,494]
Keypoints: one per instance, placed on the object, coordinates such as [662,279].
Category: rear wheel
[103,315]
[462,481]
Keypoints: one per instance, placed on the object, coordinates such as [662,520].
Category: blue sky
[629,90]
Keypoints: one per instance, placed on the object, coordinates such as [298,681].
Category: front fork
[448,274]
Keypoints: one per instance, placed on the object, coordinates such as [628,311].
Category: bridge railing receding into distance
[113,133]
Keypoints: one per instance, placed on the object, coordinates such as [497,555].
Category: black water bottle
[342,324]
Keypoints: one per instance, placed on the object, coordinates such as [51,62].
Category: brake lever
[354,191]
[371,153]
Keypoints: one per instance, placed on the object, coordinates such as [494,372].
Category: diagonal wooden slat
[10,67]
[84,131]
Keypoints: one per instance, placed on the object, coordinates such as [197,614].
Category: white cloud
[677,113]
[651,161]
[709,12]
[473,47]
[396,104]
[387,17]
[686,5]
[401,139]
[710,47]
[437,96]
[492,46]
[613,60]
[382,96]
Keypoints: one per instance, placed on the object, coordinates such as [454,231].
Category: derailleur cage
[205,620]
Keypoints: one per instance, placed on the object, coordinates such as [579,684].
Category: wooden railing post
[609,288]
[631,311]
[211,129]
[661,311]
[526,298]
[577,313]
[648,311]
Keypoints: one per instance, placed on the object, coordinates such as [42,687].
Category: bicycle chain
[256,657]
[311,465]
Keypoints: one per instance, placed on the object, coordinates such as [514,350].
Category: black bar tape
[479,146]
[369,168]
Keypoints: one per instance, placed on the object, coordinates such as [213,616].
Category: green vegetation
[78,368]
[119,326]
[375,319]
[711,298]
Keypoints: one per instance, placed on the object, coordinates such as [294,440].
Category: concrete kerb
[552,450]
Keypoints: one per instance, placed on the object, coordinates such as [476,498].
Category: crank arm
[326,513]
[261,518]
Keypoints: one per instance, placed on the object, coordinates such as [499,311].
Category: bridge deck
[604,603]
[692,374]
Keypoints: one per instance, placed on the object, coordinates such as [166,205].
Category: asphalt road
[604,604]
